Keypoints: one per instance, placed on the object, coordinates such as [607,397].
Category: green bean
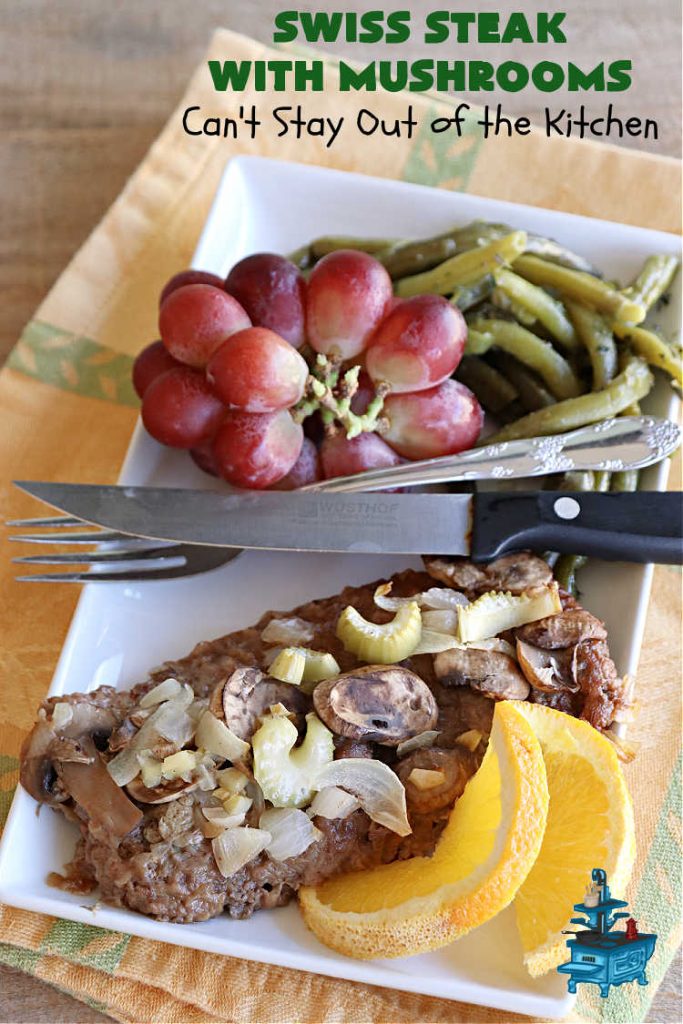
[651,347]
[491,388]
[565,570]
[632,384]
[467,297]
[302,257]
[656,276]
[415,257]
[533,395]
[534,352]
[602,479]
[477,343]
[501,300]
[332,243]
[596,335]
[582,287]
[553,252]
[625,480]
[464,268]
[578,480]
[540,306]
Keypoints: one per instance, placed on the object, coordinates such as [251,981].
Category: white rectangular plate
[120,631]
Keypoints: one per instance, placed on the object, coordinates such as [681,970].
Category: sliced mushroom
[548,671]
[457,767]
[566,629]
[491,672]
[246,696]
[515,573]
[379,703]
[162,794]
[93,789]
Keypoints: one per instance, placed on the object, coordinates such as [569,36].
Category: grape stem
[331,392]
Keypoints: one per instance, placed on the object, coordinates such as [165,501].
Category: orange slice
[485,852]
[590,825]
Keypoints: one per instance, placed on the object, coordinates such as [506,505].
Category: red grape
[255,449]
[179,408]
[272,291]
[202,456]
[258,371]
[150,364]
[346,297]
[195,319]
[418,344]
[189,277]
[442,421]
[306,469]
[343,457]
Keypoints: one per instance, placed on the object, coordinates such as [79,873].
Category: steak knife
[645,526]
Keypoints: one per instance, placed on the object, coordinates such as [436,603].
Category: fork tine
[70,538]
[102,557]
[140,575]
[57,521]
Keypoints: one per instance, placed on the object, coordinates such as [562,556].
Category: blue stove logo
[600,956]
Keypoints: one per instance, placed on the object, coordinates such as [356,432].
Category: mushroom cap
[384,704]
[491,672]
[247,694]
[457,766]
[566,629]
[514,573]
[162,794]
[548,671]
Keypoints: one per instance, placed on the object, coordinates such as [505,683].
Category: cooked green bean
[596,335]
[502,301]
[578,480]
[532,394]
[332,243]
[491,388]
[656,276]
[534,352]
[580,286]
[632,384]
[477,343]
[416,257]
[465,268]
[625,480]
[550,250]
[540,306]
[651,347]
[565,570]
[467,297]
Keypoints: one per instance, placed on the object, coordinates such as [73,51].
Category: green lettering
[393,78]
[480,76]
[517,28]
[372,27]
[230,74]
[463,20]
[512,76]
[578,80]
[285,23]
[547,76]
[422,75]
[620,79]
[357,79]
[437,23]
[487,27]
[398,27]
[321,25]
[548,28]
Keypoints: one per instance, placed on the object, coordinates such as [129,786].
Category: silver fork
[126,560]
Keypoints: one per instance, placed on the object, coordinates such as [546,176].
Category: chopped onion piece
[292,832]
[289,666]
[445,620]
[235,847]
[214,736]
[232,779]
[151,769]
[423,739]
[333,802]
[289,631]
[496,611]
[219,816]
[470,739]
[179,765]
[379,790]
[174,723]
[443,598]
[434,643]
[494,643]
[197,708]
[237,804]
[125,766]
[167,690]
[61,715]
[205,777]
[426,778]
[391,604]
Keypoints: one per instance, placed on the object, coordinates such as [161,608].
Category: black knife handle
[645,526]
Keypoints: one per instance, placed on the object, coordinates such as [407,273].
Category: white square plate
[120,631]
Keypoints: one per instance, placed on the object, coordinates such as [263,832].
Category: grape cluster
[228,380]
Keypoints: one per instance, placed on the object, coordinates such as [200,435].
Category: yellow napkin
[67,413]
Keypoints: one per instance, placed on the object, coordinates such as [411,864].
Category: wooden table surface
[86,86]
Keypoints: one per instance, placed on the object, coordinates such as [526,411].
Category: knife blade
[641,527]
